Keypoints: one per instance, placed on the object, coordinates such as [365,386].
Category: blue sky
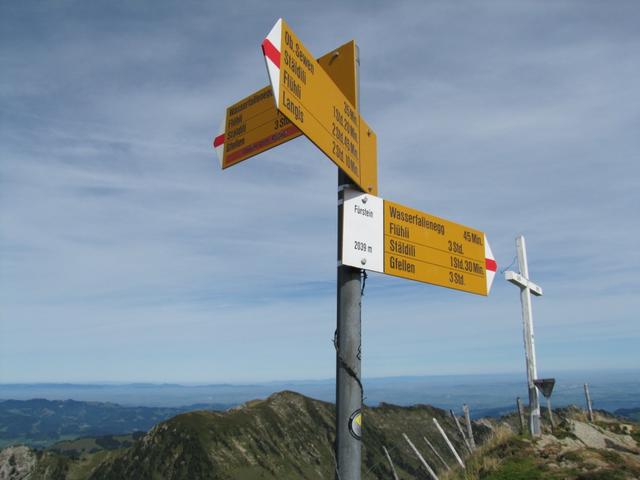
[126,254]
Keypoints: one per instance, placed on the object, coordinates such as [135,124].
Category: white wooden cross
[527,287]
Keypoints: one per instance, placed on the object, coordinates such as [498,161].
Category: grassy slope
[287,436]
[507,456]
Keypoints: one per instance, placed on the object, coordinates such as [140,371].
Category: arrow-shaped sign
[308,97]
[253,125]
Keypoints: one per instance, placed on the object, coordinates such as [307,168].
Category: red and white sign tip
[491,266]
[271,48]
[218,142]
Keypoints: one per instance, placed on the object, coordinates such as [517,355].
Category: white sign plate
[362,234]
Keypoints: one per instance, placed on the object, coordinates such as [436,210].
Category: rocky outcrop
[17,463]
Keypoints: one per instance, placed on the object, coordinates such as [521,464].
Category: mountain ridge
[286,435]
[289,436]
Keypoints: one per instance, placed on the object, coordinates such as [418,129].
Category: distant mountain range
[485,394]
[630,413]
[41,422]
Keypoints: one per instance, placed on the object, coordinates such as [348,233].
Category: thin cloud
[120,236]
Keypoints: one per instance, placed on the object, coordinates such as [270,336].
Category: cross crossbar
[523,282]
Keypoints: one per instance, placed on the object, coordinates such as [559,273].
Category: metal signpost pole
[328,115]
[348,384]
[349,392]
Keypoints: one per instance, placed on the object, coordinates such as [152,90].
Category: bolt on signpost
[319,99]
[527,287]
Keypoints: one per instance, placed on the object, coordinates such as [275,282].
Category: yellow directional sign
[253,124]
[309,98]
[430,249]
[390,238]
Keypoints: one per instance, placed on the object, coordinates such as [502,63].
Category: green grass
[607,474]
[572,456]
[611,457]
[517,469]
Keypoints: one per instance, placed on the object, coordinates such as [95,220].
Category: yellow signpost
[254,125]
[319,98]
[310,99]
[430,249]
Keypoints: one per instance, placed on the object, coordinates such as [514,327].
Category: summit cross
[527,287]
